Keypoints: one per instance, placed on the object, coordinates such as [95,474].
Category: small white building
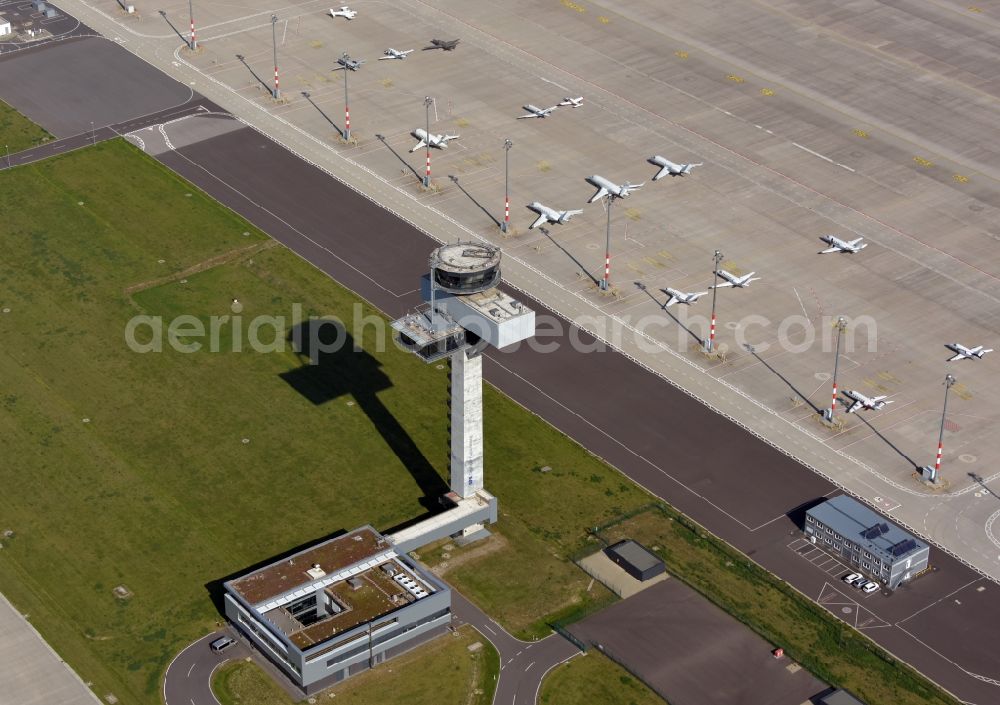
[4,26]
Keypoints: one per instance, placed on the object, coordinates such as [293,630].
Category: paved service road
[523,664]
[31,673]
[188,680]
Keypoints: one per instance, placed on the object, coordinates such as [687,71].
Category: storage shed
[635,559]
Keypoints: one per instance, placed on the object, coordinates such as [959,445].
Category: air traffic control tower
[465,313]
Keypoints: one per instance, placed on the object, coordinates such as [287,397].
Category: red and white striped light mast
[606,282]
[710,343]
[929,474]
[274,40]
[194,42]
[828,414]
[428,101]
[505,226]
[347,108]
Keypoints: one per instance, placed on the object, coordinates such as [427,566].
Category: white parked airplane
[549,215]
[733,280]
[681,297]
[668,168]
[439,141]
[837,245]
[573,102]
[863,402]
[345,12]
[391,53]
[535,112]
[964,353]
[605,187]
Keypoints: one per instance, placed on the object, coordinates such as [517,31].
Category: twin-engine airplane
[605,187]
[668,168]
[345,12]
[346,63]
[535,112]
[438,141]
[549,215]
[863,402]
[964,353]
[837,245]
[681,297]
[391,53]
[733,280]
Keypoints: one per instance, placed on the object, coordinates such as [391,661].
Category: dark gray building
[839,697]
[338,608]
[875,546]
[635,559]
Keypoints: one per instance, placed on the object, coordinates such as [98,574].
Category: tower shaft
[466,423]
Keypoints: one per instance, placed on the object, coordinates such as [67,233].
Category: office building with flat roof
[867,541]
[338,608]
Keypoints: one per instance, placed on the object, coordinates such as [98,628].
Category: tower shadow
[332,368]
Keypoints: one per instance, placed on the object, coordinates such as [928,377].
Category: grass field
[131,469]
[594,678]
[441,672]
[18,132]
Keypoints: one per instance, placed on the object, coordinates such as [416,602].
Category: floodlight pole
[949,380]
[347,109]
[507,144]
[93,137]
[428,101]
[606,282]
[828,414]
[7,149]
[710,344]
[194,42]
[274,42]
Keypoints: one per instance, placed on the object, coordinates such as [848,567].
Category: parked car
[869,587]
[221,644]
[852,578]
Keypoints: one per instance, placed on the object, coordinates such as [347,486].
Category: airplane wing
[418,145]
[529,115]
[661,173]
[671,301]
[829,250]
[721,286]
[958,356]
[601,193]
[854,407]
[875,400]
[540,220]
